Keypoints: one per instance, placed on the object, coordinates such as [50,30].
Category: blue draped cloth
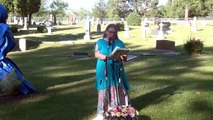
[7,43]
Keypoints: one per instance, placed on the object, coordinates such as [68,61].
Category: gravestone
[80,54]
[160,35]
[165,45]
[126,28]
[87,28]
[154,33]
[165,26]
[21,21]
[22,44]
[144,27]
[194,24]
[25,24]
[49,30]
[97,21]
[99,28]
[15,20]
[204,22]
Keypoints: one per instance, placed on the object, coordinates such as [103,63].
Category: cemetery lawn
[163,87]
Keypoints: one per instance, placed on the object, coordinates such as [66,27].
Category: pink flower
[121,112]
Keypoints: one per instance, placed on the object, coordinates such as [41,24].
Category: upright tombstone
[122,20]
[49,30]
[15,20]
[144,27]
[98,28]
[51,18]
[87,28]
[22,45]
[194,24]
[165,45]
[98,21]
[160,35]
[203,23]
[21,21]
[25,24]
[126,28]
[92,21]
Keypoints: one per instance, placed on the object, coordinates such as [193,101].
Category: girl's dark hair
[111,26]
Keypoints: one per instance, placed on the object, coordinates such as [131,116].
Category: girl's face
[111,33]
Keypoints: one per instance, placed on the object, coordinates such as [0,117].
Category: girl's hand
[123,58]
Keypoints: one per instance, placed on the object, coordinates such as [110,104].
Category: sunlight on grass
[162,87]
[70,87]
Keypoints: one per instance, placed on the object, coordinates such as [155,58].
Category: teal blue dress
[113,67]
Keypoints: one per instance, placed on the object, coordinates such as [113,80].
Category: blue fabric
[7,65]
[3,14]
[113,67]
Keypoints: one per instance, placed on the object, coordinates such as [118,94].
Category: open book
[119,51]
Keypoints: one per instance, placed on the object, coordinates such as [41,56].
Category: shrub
[133,19]
[14,28]
[194,46]
[42,29]
[120,26]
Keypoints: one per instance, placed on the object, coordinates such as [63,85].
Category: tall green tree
[81,13]
[8,4]
[100,9]
[153,10]
[209,5]
[26,8]
[113,9]
[176,8]
[43,9]
[57,7]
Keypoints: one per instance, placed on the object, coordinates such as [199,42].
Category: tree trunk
[54,19]
[29,18]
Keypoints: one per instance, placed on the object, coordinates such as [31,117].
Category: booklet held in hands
[117,52]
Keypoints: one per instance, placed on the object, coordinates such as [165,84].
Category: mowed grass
[162,87]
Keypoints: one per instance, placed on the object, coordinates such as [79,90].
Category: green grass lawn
[162,87]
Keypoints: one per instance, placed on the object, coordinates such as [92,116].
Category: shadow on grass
[154,97]
[64,29]
[29,45]
[55,38]
[69,84]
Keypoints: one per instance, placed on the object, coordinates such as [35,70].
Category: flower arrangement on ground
[121,113]
[194,46]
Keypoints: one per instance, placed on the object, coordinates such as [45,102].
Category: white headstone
[126,28]
[51,17]
[143,30]
[49,30]
[21,21]
[203,23]
[97,21]
[194,24]
[87,28]
[160,35]
[25,24]
[22,44]
[15,20]
[144,27]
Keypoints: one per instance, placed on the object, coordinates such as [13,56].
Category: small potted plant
[194,46]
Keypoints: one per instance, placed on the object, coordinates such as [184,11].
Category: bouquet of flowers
[121,113]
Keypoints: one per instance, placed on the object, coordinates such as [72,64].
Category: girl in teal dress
[111,81]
